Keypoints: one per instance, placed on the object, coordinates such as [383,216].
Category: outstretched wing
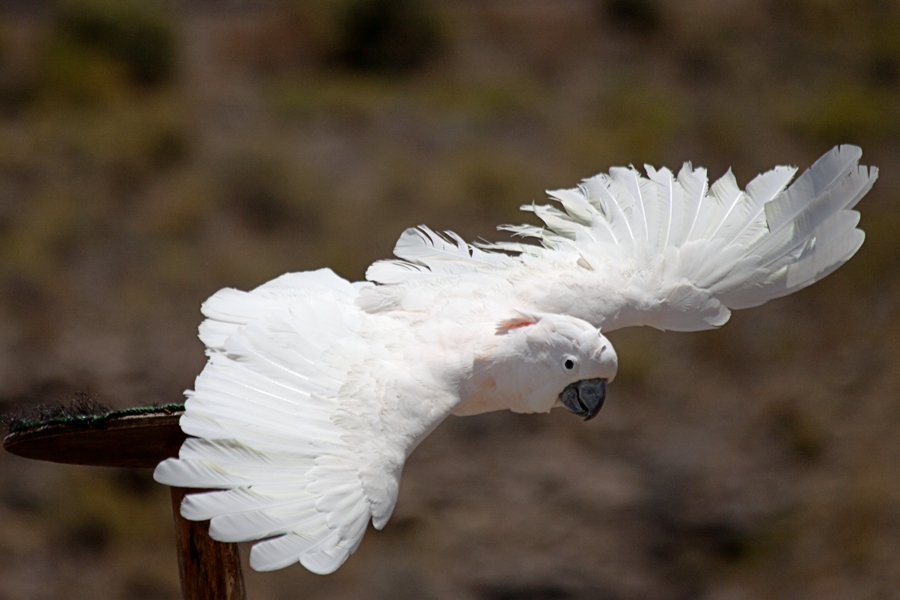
[299,420]
[664,250]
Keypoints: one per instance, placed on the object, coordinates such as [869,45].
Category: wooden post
[209,570]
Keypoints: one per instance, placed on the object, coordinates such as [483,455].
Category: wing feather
[675,253]
[307,407]
[829,169]
[729,197]
[727,247]
[288,420]
[598,192]
[422,252]
[761,190]
[670,199]
[626,188]
[695,185]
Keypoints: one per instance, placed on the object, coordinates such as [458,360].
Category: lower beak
[584,398]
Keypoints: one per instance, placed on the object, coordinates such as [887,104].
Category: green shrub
[388,35]
[638,16]
[142,40]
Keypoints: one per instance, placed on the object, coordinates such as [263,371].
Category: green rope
[83,412]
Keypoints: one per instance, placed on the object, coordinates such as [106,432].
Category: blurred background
[151,153]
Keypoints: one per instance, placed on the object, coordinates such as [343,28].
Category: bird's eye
[569,363]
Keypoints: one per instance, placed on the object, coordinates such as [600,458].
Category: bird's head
[547,360]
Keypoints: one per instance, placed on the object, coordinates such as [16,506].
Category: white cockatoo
[318,389]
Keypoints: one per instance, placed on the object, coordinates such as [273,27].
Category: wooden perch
[209,570]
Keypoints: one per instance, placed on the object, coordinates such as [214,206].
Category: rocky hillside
[153,153]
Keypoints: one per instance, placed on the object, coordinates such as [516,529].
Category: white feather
[316,390]
[729,197]
[728,247]
[626,189]
[597,192]
[830,168]
[425,252]
[273,429]
[669,204]
[761,190]
[695,185]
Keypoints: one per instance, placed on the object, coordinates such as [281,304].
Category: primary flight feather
[317,389]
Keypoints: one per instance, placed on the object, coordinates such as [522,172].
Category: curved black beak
[584,398]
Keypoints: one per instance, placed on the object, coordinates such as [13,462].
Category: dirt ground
[152,154]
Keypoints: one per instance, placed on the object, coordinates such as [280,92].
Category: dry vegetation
[152,154]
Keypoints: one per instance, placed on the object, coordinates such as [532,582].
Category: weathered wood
[128,441]
[209,570]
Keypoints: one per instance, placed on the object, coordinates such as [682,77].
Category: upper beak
[584,398]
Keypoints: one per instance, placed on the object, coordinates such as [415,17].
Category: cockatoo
[317,389]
